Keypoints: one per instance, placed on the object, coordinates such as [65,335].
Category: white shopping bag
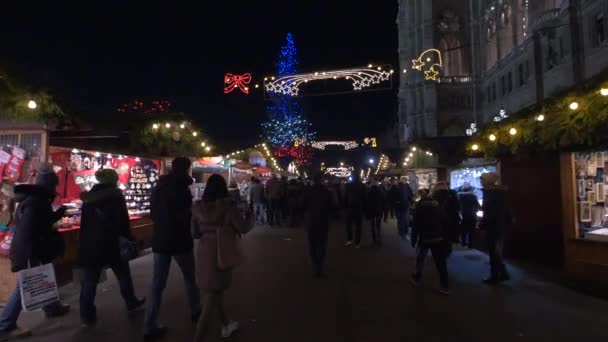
[38,287]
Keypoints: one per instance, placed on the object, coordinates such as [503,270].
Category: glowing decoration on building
[472,129]
[233,82]
[348,145]
[371,142]
[574,105]
[429,62]
[341,172]
[492,137]
[604,91]
[502,114]
[360,78]
[32,104]
[540,118]
[475,147]
[513,131]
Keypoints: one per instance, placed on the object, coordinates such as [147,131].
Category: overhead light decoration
[32,104]
[322,145]
[168,125]
[472,129]
[513,131]
[155,126]
[233,82]
[361,78]
[492,137]
[540,118]
[475,147]
[604,91]
[574,105]
[430,57]
[371,142]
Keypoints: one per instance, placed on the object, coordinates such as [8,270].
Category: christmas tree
[286,122]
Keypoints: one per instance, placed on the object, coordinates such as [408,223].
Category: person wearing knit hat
[107,177]
[46,177]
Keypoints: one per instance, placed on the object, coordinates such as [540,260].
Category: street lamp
[371,160]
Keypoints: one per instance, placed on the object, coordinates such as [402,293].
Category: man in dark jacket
[402,200]
[448,202]
[427,234]
[469,206]
[105,220]
[171,211]
[375,209]
[318,206]
[355,204]
[35,243]
[496,219]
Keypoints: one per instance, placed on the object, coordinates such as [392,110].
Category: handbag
[128,248]
[229,251]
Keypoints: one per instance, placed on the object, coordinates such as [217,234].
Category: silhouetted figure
[469,206]
[355,203]
[375,204]
[318,206]
[402,200]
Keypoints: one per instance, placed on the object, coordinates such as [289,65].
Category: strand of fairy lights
[361,78]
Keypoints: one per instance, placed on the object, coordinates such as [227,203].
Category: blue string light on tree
[285,115]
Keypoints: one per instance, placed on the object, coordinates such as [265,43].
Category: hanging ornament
[233,82]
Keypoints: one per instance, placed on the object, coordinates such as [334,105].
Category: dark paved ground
[366,298]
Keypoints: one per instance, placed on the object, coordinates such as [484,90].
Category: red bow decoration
[233,82]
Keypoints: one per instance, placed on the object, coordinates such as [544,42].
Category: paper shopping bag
[38,287]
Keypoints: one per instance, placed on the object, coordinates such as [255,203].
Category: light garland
[348,145]
[233,82]
[472,129]
[502,114]
[432,57]
[177,136]
[361,78]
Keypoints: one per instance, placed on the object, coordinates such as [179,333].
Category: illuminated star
[418,63]
[431,75]
[367,82]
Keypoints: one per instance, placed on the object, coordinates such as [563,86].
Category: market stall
[76,171]
[470,175]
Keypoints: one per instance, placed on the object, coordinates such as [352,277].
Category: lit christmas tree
[285,118]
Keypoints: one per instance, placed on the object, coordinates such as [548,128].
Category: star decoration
[418,64]
[431,74]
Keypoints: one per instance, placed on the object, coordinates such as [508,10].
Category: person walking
[375,203]
[171,211]
[256,195]
[34,243]
[427,234]
[402,200]
[318,206]
[213,217]
[448,202]
[469,206]
[496,220]
[355,204]
[273,194]
[105,221]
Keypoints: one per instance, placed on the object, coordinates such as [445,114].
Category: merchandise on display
[591,182]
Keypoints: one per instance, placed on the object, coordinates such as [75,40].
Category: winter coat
[256,193]
[355,196]
[375,202]
[404,197]
[32,243]
[428,225]
[207,219]
[274,189]
[171,211]
[496,211]
[448,202]
[393,196]
[104,219]
[318,205]
[469,206]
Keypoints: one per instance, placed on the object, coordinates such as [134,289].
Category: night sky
[94,58]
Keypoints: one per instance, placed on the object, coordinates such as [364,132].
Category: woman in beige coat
[215,212]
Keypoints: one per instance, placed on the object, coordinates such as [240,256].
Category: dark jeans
[498,268]
[12,310]
[317,242]
[376,229]
[403,221]
[389,211]
[274,212]
[355,217]
[467,229]
[439,252]
[88,290]
[162,266]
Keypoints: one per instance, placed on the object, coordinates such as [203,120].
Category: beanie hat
[45,177]
[489,178]
[107,176]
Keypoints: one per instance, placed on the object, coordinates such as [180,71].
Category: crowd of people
[440,219]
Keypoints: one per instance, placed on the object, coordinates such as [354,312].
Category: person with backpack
[171,212]
[217,223]
[104,226]
[428,235]
[34,243]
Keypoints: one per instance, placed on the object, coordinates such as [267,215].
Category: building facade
[498,57]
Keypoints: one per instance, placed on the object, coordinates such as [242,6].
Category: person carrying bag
[217,223]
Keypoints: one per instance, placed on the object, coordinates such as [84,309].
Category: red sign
[12,170]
